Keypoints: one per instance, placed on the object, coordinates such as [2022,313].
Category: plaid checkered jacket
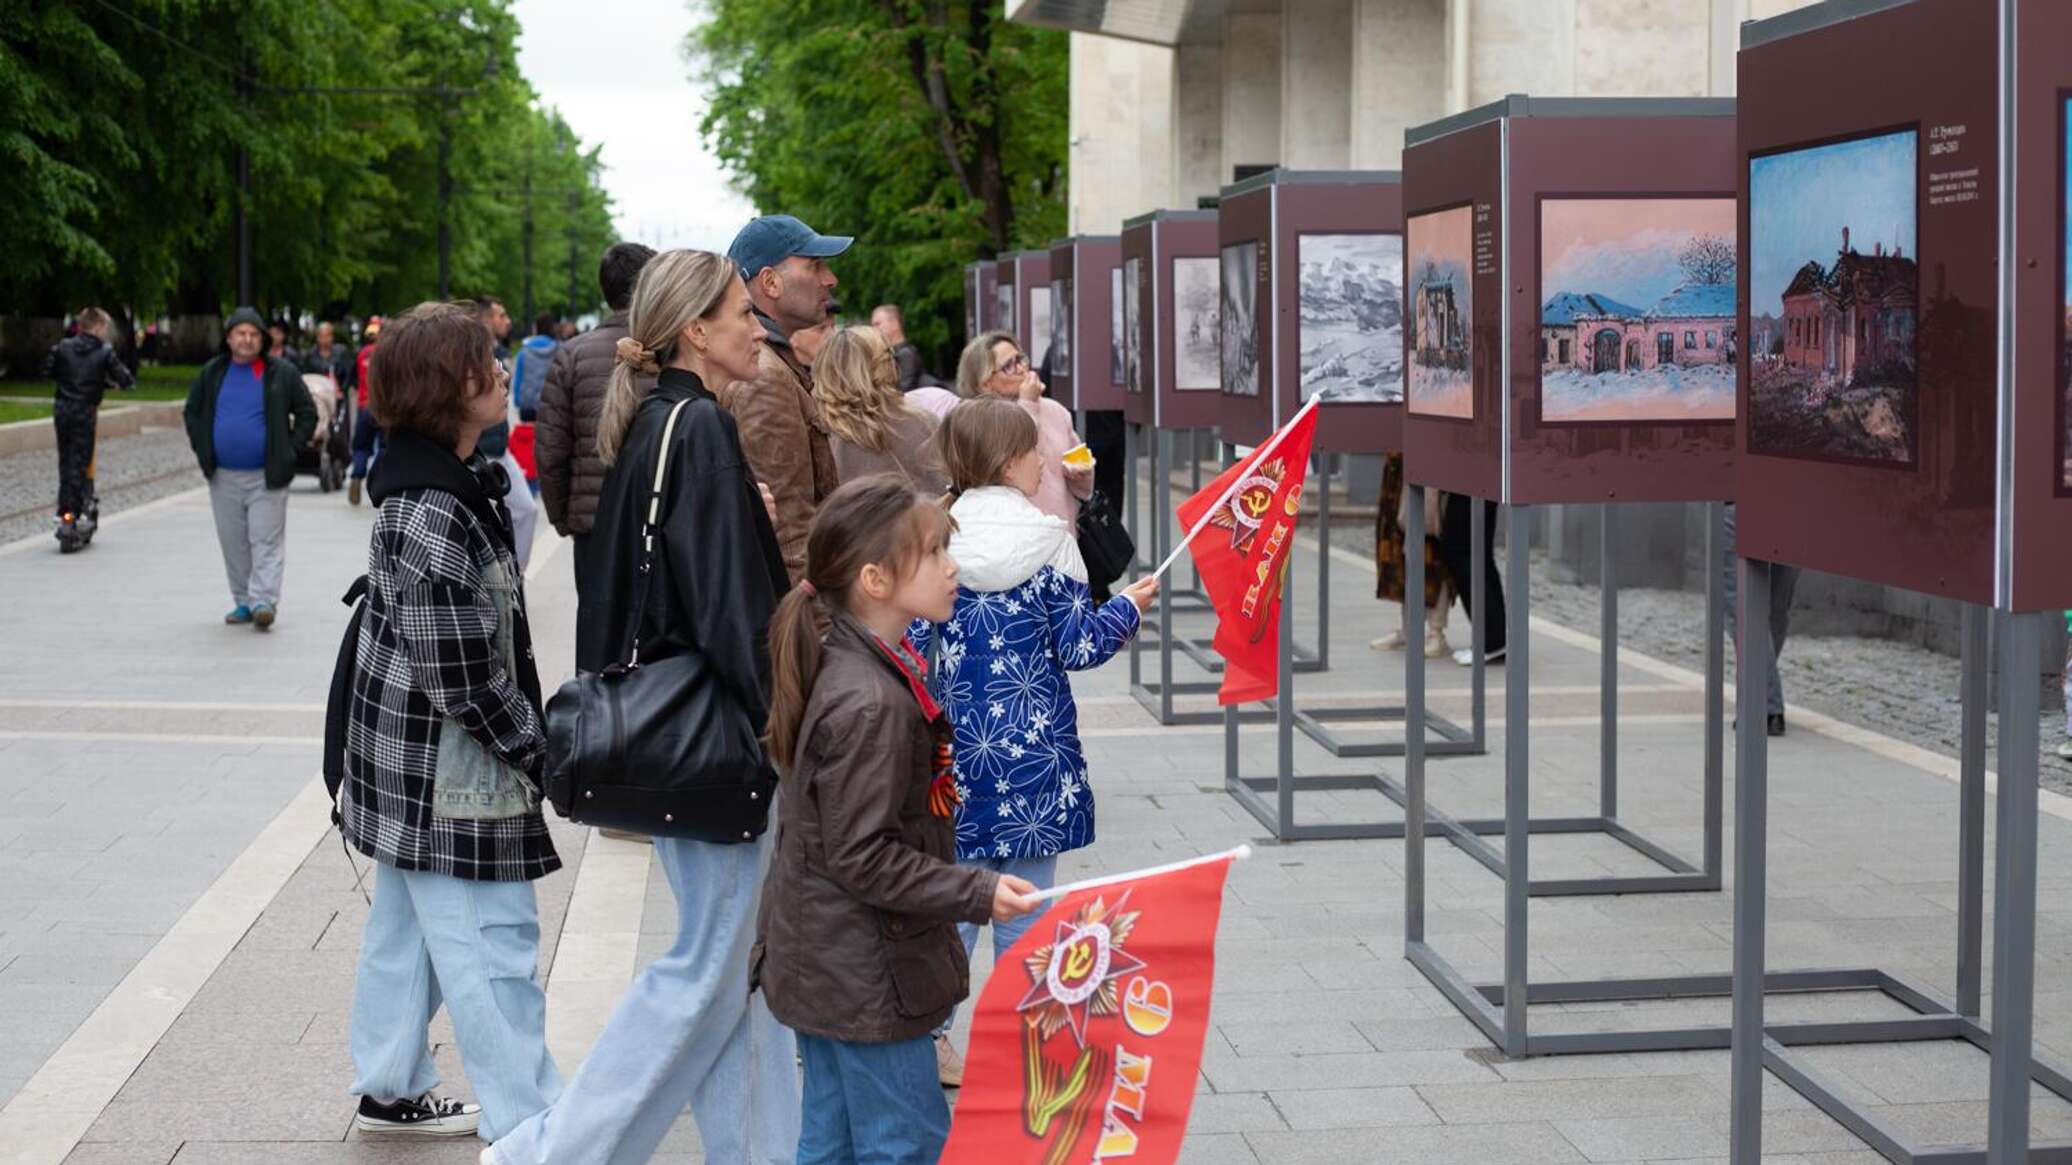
[428,653]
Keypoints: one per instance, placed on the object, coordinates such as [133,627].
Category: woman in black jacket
[687,1031]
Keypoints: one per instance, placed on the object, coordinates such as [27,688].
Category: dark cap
[773,238]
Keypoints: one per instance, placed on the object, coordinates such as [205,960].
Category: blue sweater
[241,418]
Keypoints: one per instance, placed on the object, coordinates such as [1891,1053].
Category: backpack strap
[338,707]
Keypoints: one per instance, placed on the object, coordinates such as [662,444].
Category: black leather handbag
[1107,548]
[657,746]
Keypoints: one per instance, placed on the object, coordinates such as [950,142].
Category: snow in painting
[1637,322]
[1238,322]
[1351,317]
[1196,361]
[1441,382]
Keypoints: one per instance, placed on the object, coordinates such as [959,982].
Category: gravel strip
[130,471]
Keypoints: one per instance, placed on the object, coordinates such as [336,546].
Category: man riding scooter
[83,366]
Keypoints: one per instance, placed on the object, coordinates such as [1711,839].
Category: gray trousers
[1784,580]
[252,528]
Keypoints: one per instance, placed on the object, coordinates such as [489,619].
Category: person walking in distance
[444,749]
[247,416]
[891,324]
[496,443]
[366,427]
[1456,554]
[856,949]
[687,1032]
[328,357]
[784,263]
[82,366]
[571,397]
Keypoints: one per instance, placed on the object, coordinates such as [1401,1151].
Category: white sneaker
[1466,656]
[1393,641]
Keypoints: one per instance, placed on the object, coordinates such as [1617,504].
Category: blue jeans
[476,946]
[366,442]
[686,1033]
[871,1104]
[1043,872]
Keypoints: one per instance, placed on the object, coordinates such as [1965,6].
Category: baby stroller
[330,452]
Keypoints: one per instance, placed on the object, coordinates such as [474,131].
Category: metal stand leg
[2014,892]
[1751,852]
[1715,690]
[1517,777]
[1607,667]
[1414,725]
[1971,837]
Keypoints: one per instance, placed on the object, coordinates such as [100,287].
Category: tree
[934,132]
[1708,261]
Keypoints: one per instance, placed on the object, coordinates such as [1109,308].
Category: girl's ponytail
[794,666]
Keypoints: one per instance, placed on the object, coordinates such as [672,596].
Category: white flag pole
[1243,851]
[1256,458]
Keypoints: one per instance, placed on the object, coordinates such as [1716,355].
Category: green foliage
[935,133]
[121,122]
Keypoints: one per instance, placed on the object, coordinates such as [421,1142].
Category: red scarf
[943,797]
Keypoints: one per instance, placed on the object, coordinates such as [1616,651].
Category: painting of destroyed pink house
[1833,300]
[1637,320]
[1442,381]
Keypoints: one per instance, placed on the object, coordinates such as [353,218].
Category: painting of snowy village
[1132,328]
[1833,296]
[1351,318]
[1637,318]
[1442,381]
[1197,362]
[1237,321]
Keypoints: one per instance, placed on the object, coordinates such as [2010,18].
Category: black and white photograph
[1003,308]
[1115,328]
[1238,322]
[1195,360]
[1132,332]
[1350,320]
[1039,324]
[1061,321]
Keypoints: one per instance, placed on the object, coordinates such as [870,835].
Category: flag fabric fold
[1242,554]
[1086,1042]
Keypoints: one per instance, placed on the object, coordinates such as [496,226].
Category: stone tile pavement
[1326,1046]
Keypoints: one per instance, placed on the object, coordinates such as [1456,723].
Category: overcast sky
[616,70]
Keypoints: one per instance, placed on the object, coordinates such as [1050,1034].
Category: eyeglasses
[1014,364]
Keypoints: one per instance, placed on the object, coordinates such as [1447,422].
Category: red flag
[1242,555]
[1086,1044]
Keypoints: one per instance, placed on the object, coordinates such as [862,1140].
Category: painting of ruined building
[1350,323]
[1238,320]
[1441,382]
[1116,331]
[1833,300]
[1197,364]
[1637,311]
[1132,325]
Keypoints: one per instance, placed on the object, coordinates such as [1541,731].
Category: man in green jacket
[247,418]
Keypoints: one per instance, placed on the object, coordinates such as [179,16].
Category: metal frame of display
[1278,815]
[1500,1009]
[1759,1047]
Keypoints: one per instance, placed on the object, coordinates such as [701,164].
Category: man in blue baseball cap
[784,263]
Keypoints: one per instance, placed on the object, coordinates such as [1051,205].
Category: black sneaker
[423,1116]
[1775,724]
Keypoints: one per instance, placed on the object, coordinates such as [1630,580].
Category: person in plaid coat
[444,745]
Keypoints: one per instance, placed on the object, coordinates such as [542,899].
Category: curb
[118,421]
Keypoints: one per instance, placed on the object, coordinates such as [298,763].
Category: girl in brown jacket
[858,949]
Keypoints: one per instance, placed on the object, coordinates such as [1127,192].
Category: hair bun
[635,355]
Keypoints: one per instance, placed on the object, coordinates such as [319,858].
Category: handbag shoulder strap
[648,529]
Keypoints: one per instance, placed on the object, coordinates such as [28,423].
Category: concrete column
[1398,76]
[1121,132]
[1197,102]
[1642,48]
[1316,84]
[1251,90]
[1515,46]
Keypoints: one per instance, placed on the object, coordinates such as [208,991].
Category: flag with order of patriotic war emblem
[1086,1042]
[1242,554]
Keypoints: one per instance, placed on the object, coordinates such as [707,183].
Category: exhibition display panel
[1904,422]
[1085,274]
[1031,319]
[1568,287]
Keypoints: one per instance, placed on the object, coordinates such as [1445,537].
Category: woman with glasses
[994,365]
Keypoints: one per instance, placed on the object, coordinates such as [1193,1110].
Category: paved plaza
[178,934]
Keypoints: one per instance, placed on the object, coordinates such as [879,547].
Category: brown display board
[2039,573]
[1312,265]
[1182,364]
[1593,242]
[1139,406]
[1869,194]
[1084,273]
[1032,308]
[988,309]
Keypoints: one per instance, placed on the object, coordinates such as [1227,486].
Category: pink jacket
[1054,435]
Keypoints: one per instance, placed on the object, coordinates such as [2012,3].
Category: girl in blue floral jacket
[1024,618]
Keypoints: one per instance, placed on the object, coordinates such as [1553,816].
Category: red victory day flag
[1086,1043]
[1241,530]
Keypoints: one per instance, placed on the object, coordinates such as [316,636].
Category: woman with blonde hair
[687,1030]
[995,365]
[873,428]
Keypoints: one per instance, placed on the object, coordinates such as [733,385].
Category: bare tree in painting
[1707,261]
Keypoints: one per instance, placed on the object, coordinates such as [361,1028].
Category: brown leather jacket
[785,442]
[565,433]
[856,940]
